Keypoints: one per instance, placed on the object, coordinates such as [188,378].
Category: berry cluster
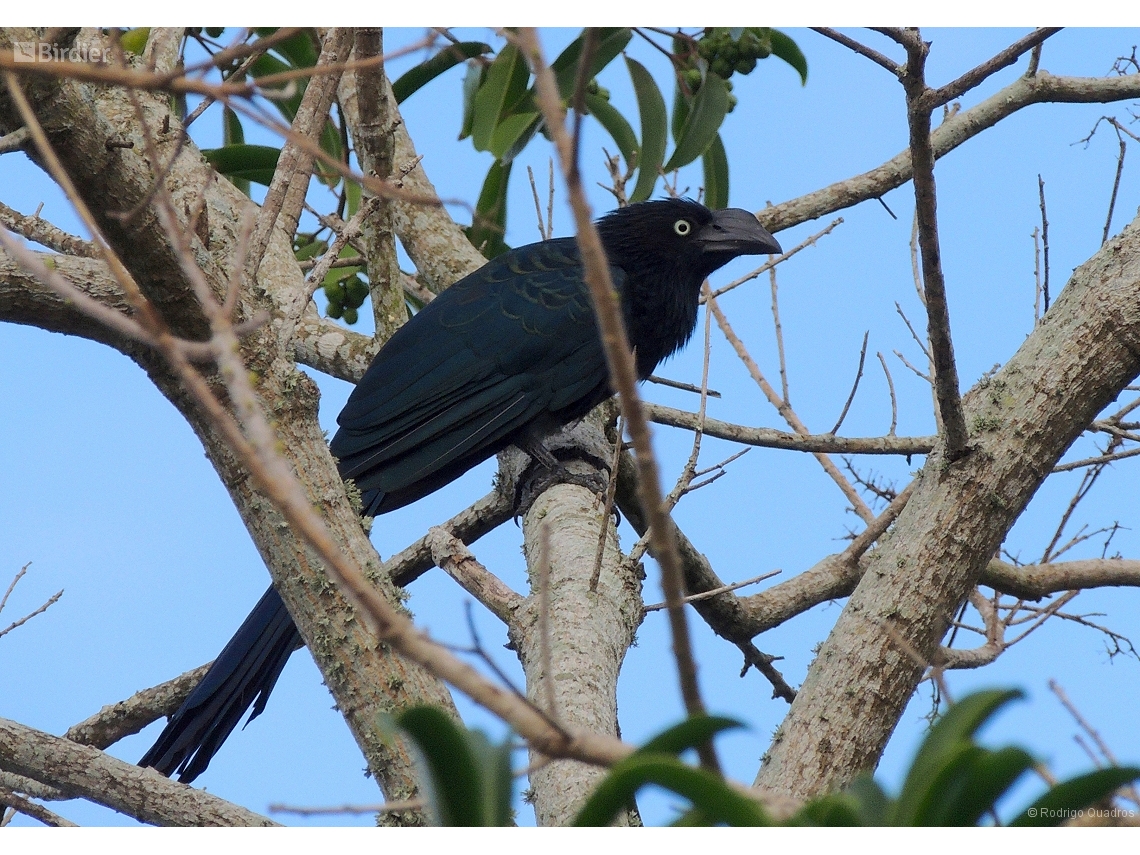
[345,296]
[345,290]
[725,51]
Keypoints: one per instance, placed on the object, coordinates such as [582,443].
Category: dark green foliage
[501,116]
[955,781]
[470,778]
[654,122]
[952,780]
[426,72]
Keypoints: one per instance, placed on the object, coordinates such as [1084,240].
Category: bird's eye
[682,227]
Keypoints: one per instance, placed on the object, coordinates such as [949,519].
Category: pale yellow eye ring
[682,227]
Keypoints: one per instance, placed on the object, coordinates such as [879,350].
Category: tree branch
[1038,89]
[88,773]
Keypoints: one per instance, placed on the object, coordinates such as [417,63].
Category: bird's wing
[499,350]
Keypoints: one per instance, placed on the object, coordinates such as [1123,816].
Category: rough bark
[571,640]
[1021,420]
[82,771]
[79,118]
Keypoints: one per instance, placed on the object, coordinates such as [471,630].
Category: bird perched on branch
[503,357]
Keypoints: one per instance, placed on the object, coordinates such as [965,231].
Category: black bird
[504,356]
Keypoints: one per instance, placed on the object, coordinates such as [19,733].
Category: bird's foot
[541,476]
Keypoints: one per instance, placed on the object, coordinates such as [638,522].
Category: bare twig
[786,411]
[676,384]
[1115,186]
[947,393]
[36,229]
[886,62]
[891,387]
[771,438]
[779,259]
[386,807]
[35,811]
[855,387]
[779,336]
[704,595]
[542,233]
[18,623]
[1056,689]
[1044,243]
[1036,275]
[1100,459]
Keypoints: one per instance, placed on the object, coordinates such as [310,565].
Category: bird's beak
[734,231]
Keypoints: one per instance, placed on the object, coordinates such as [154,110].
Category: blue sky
[108,494]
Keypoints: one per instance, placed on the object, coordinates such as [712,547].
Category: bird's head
[683,234]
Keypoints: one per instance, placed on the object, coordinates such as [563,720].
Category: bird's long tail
[243,675]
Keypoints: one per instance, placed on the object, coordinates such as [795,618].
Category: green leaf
[455,781]
[962,794]
[471,82]
[836,809]
[353,195]
[654,127]
[490,224]
[494,762]
[427,71]
[505,83]
[234,134]
[1075,794]
[267,64]
[511,131]
[944,745]
[710,105]
[690,733]
[299,50]
[332,145]
[616,126]
[715,163]
[611,42]
[244,162]
[784,48]
[873,803]
[134,40]
[708,793]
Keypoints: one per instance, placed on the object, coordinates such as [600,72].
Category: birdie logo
[47,52]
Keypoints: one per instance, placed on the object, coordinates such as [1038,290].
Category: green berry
[732,101]
[745,65]
[355,291]
[335,310]
[721,68]
[350,316]
[335,292]
[693,77]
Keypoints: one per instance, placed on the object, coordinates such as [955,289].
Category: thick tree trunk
[572,640]
[1021,420]
[80,119]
